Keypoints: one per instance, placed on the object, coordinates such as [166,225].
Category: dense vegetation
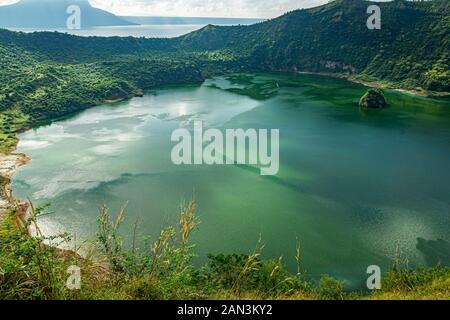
[46,75]
[161,269]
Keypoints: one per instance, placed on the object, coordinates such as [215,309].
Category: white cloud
[199,8]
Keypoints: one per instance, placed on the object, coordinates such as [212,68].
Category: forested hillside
[48,74]
[35,88]
[412,47]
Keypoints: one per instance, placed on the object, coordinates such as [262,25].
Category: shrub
[331,289]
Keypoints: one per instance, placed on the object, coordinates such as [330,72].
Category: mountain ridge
[50,74]
[331,38]
[334,38]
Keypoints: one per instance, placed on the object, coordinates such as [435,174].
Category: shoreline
[381,85]
[9,164]
[11,161]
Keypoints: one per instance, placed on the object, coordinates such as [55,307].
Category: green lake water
[352,186]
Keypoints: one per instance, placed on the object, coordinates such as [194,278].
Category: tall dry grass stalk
[169,252]
[164,250]
[33,219]
[159,250]
[187,223]
[252,264]
[298,259]
[399,262]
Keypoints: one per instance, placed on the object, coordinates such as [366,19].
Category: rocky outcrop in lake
[373,99]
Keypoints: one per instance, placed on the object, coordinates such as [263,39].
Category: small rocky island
[373,99]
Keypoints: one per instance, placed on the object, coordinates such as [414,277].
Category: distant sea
[150,27]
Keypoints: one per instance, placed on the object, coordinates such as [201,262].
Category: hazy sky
[198,8]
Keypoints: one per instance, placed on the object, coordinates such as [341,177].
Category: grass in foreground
[162,269]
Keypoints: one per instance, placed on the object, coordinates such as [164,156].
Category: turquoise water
[352,185]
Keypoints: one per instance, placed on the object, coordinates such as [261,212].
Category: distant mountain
[52,14]
[190,20]
[411,50]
